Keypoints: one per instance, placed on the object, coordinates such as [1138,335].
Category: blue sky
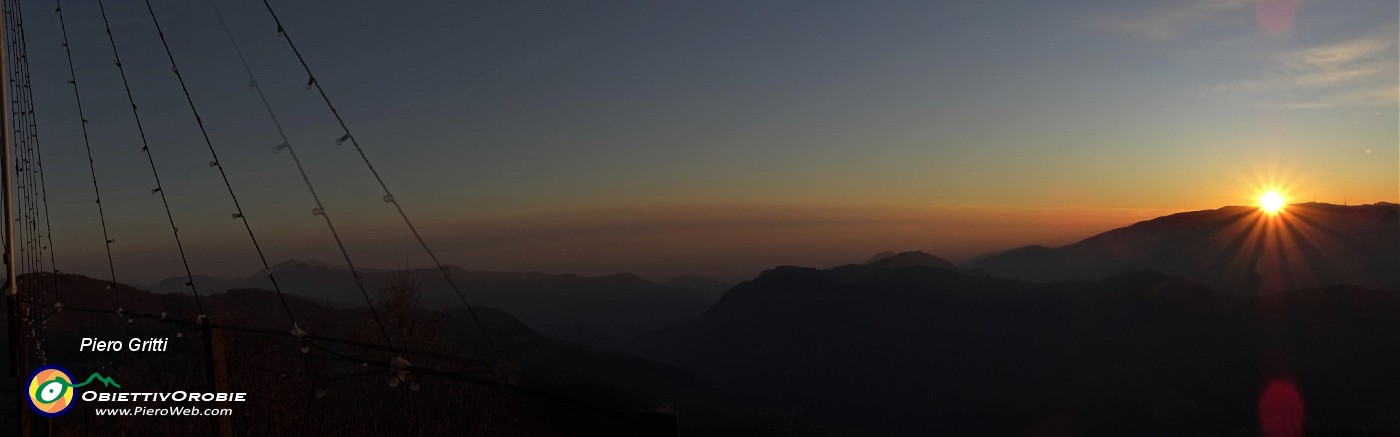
[716,137]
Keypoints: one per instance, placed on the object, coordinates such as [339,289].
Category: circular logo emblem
[51,391]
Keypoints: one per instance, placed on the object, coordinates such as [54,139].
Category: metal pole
[17,340]
[7,170]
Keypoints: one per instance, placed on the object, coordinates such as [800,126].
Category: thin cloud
[1340,55]
[1359,72]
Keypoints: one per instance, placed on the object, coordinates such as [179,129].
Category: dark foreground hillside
[908,345]
[870,350]
[561,388]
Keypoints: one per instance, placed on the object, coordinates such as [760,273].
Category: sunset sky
[717,137]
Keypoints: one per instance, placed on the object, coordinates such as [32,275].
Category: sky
[718,137]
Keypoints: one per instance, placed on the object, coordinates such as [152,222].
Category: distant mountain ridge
[600,311]
[1235,249]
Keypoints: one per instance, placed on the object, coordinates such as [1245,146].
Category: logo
[51,389]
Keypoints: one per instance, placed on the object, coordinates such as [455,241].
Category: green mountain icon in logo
[106,382]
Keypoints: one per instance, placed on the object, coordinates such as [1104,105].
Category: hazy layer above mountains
[1226,248]
[725,241]
[601,311]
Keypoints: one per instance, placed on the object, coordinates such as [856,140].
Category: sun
[1271,202]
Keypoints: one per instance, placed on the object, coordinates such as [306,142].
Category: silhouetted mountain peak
[912,258]
[627,278]
[880,256]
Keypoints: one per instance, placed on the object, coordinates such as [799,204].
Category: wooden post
[18,343]
[216,377]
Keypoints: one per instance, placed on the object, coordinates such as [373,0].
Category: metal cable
[44,231]
[388,196]
[320,209]
[146,149]
[19,130]
[38,152]
[232,195]
[20,264]
[23,127]
[30,135]
[87,145]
